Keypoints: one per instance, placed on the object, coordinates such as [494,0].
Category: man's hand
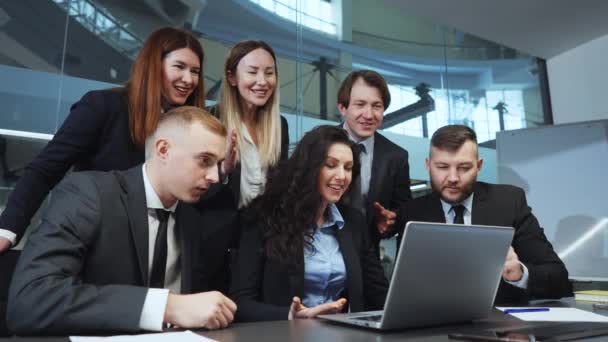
[385,219]
[298,310]
[211,310]
[512,271]
[231,154]
[5,244]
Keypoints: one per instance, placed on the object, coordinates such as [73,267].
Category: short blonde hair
[186,116]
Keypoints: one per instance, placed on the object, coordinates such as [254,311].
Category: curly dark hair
[290,202]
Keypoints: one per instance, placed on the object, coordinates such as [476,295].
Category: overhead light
[419,187]
[25,134]
[578,243]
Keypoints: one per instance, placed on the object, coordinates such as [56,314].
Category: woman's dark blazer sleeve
[77,138]
[263,289]
[373,280]
[284,139]
[375,284]
[247,278]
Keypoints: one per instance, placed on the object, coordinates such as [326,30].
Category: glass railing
[103,24]
[487,51]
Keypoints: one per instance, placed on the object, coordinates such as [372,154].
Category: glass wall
[30,68]
[437,75]
[54,51]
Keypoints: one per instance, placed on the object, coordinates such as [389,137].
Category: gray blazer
[85,268]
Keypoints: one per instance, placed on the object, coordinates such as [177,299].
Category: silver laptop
[445,273]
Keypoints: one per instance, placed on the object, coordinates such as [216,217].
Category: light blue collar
[333,218]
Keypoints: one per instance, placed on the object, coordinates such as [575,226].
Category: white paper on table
[183,336]
[557,315]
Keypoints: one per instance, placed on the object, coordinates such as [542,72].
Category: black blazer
[85,269]
[94,136]
[505,205]
[263,288]
[220,206]
[389,184]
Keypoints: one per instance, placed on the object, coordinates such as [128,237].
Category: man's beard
[464,193]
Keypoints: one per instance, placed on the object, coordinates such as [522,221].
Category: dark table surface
[317,330]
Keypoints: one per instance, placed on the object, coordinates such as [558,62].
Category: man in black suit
[532,269]
[121,251]
[384,186]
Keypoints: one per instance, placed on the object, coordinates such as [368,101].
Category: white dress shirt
[253,175]
[155,303]
[468,212]
[7,234]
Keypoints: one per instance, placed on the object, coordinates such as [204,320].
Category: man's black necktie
[459,213]
[159,262]
[362,148]
[358,200]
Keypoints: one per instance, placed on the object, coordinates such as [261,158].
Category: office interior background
[492,65]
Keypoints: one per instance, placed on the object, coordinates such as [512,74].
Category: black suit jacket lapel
[296,277]
[134,200]
[353,269]
[235,183]
[435,213]
[378,165]
[480,213]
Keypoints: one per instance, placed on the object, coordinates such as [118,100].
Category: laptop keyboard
[373,318]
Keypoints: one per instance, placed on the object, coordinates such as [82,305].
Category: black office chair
[8,261]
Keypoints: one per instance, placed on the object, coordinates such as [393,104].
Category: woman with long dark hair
[106,129]
[302,253]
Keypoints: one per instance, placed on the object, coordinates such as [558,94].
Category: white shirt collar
[152,199]
[367,142]
[467,203]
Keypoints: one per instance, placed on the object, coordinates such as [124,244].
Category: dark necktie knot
[162,215]
[362,148]
[159,260]
[458,213]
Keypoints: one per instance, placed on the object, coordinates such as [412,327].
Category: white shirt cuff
[153,311]
[10,236]
[523,282]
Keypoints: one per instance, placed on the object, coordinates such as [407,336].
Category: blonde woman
[249,106]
